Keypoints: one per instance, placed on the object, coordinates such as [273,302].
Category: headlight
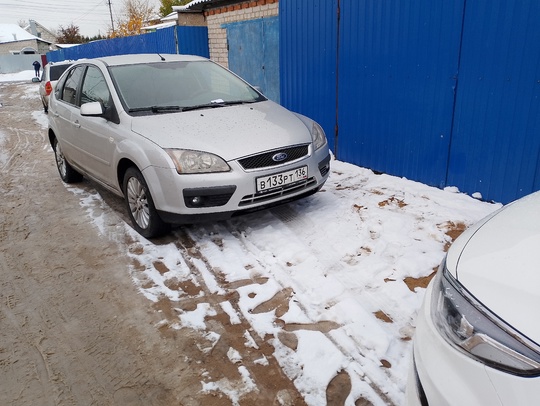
[317,135]
[473,329]
[187,161]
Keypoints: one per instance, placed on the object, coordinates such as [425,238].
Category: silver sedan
[181,139]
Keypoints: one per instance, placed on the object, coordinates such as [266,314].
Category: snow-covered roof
[189,7]
[66,45]
[158,26]
[170,17]
[13,33]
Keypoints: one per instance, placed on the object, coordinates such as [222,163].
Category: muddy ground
[75,326]
[74,329]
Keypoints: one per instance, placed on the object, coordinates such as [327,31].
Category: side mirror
[92,109]
[96,109]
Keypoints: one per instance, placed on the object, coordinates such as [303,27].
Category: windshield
[163,87]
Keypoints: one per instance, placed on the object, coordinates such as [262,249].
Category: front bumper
[184,199]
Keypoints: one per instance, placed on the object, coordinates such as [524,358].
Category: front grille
[275,193]
[265,160]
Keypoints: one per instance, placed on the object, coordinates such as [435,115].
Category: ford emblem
[280,156]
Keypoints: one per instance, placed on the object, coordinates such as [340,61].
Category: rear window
[57,70]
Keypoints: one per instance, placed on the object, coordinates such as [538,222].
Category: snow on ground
[347,263]
[26,75]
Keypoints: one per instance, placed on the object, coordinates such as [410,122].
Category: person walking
[37,67]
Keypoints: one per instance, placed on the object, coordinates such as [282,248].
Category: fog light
[214,196]
[196,200]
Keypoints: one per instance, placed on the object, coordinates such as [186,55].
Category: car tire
[140,205]
[66,171]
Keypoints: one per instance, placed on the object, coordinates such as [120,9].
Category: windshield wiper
[215,104]
[156,109]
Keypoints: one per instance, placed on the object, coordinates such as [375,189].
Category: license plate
[266,183]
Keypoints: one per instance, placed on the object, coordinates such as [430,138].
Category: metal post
[110,11]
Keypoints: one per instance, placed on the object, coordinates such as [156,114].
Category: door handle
[77,124]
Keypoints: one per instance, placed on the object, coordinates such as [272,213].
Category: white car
[51,73]
[182,139]
[477,332]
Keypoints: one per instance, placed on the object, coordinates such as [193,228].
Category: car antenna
[162,58]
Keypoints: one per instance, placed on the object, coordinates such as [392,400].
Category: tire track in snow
[227,330]
[303,227]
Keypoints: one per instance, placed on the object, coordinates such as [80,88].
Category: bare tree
[69,35]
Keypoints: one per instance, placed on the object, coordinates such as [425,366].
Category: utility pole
[110,11]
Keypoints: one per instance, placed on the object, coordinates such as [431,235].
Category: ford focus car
[182,139]
[477,335]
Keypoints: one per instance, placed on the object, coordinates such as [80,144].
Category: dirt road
[74,330]
[308,303]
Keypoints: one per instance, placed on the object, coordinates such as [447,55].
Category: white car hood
[500,264]
[230,132]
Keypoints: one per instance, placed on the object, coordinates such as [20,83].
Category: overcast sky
[91,16]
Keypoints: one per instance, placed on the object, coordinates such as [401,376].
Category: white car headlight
[470,327]
[187,161]
[317,135]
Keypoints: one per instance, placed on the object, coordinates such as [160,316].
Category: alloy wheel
[138,202]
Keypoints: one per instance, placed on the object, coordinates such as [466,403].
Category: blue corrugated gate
[396,85]
[443,92]
[307,59]
[253,53]
[496,142]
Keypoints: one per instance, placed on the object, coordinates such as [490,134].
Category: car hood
[230,132]
[500,263]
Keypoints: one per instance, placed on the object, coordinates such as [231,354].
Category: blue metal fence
[443,92]
[396,85]
[496,143]
[307,59]
[192,41]
[172,40]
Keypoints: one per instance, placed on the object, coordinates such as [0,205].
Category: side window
[71,88]
[94,88]
[59,88]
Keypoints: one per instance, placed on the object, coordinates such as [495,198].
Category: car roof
[68,62]
[144,58]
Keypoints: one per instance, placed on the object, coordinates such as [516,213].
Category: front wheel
[140,206]
[66,171]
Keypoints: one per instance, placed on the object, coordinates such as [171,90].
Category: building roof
[33,28]
[200,5]
[158,26]
[14,33]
